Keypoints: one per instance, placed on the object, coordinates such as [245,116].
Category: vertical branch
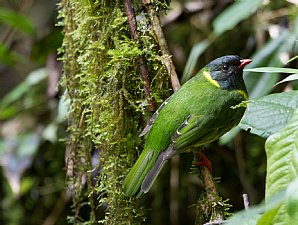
[143,69]
[211,207]
[217,213]
[245,201]
[166,57]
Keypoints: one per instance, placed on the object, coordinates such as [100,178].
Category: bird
[198,113]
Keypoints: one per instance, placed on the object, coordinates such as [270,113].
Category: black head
[228,71]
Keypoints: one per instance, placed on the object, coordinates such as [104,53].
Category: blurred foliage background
[32,109]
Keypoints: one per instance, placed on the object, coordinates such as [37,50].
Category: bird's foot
[203,161]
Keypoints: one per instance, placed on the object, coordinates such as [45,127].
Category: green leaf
[267,217]
[63,108]
[292,201]
[269,114]
[33,78]
[14,95]
[261,84]
[281,203]
[264,213]
[289,78]
[50,132]
[282,153]
[255,213]
[8,57]
[26,185]
[17,21]
[293,58]
[237,12]
[272,70]
[28,144]
[282,164]
[195,53]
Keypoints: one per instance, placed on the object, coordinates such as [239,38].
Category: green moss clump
[103,83]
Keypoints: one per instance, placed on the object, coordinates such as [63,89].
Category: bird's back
[198,97]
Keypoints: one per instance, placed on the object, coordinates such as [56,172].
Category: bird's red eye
[225,67]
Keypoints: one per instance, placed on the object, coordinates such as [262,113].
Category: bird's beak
[244,62]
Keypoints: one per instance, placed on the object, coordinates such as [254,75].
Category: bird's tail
[143,173]
[153,173]
[137,174]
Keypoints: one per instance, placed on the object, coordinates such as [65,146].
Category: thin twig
[166,57]
[58,208]
[143,69]
[245,201]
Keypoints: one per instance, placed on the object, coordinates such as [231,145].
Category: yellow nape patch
[209,78]
[241,92]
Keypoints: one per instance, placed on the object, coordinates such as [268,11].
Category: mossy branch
[217,209]
[166,56]
[143,68]
[210,207]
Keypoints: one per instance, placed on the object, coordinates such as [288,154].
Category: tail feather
[138,172]
[153,173]
[145,171]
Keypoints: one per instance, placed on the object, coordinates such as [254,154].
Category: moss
[102,80]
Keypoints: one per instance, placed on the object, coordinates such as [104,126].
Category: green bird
[198,113]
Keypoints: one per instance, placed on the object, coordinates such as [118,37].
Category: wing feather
[154,117]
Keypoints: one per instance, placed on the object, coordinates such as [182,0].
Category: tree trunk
[103,82]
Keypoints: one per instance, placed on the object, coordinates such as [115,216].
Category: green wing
[187,131]
[185,134]
[195,130]
[154,117]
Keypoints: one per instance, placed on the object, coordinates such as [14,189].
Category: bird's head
[227,71]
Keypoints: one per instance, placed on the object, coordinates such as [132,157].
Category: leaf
[289,78]
[281,203]
[63,108]
[292,201]
[272,70]
[293,58]
[282,163]
[195,53]
[19,151]
[254,213]
[237,12]
[264,212]
[8,57]
[33,78]
[261,84]
[268,115]
[17,21]
[267,217]
[50,132]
